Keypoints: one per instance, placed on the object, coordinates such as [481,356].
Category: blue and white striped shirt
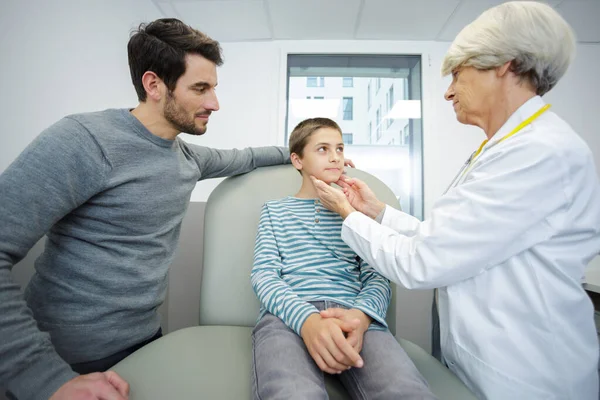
[299,256]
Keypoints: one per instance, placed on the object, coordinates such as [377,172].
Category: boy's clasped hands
[334,338]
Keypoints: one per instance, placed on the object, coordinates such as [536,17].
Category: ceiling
[266,20]
[440,20]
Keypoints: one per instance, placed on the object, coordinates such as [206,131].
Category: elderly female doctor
[508,243]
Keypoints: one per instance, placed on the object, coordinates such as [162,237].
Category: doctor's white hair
[538,41]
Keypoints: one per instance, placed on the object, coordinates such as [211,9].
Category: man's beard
[179,118]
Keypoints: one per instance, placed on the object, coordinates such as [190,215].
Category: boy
[301,267]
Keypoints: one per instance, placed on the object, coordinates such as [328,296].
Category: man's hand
[333,199]
[97,386]
[355,338]
[348,163]
[325,341]
[360,196]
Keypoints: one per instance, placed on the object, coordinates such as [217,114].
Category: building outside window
[315,81]
[348,103]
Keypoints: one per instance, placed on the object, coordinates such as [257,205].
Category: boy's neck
[307,190]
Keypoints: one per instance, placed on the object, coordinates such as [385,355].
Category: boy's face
[323,156]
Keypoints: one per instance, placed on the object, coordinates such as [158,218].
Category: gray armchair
[213,360]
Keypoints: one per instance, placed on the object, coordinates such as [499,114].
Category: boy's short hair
[305,129]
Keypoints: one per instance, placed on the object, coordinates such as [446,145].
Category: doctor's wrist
[374,210]
[346,210]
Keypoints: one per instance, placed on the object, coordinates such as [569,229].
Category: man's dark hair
[161,47]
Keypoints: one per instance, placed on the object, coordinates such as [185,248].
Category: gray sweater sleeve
[56,173]
[215,163]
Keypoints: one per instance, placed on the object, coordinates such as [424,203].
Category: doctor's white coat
[507,246]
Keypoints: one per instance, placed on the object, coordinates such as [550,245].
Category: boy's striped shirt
[299,256]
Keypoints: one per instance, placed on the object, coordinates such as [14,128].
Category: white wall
[55,62]
[52,67]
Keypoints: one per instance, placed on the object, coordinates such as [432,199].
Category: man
[110,190]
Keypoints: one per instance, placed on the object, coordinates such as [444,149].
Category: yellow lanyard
[517,129]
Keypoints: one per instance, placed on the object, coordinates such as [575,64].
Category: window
[348,104]
[314,81]
[390,104]
[404,135]
[387,102]
[366,98]
[378,122]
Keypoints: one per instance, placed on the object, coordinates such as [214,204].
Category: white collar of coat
[529,108]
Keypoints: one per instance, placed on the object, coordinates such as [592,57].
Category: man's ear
[153,85]
[296,161]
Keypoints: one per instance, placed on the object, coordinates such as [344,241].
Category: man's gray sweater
[110,196]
